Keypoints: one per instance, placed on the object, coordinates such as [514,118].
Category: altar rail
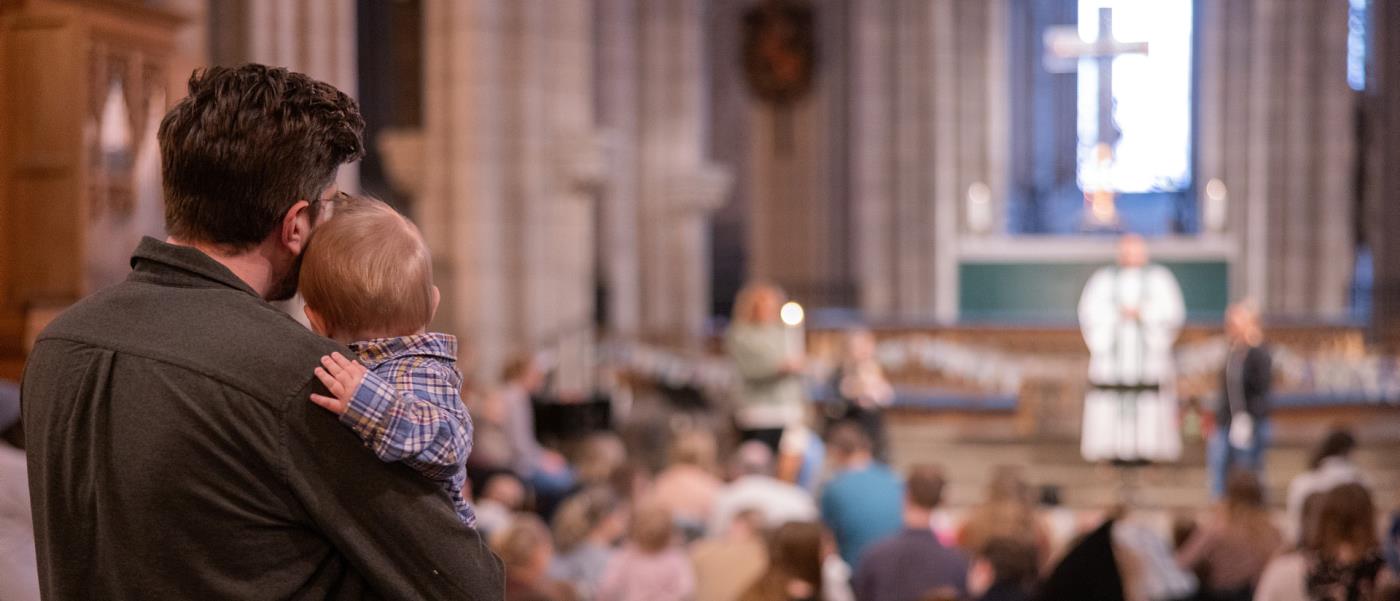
[1037,375]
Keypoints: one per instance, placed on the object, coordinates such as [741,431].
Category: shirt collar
[430,344]
[170,263]
[922,533]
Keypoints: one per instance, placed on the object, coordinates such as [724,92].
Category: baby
[367,278]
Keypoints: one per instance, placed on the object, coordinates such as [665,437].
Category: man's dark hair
[924,487]
[1338,443]
[248,143]
[847,438]
[1014,560]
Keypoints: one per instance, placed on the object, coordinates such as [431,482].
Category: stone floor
[969,450]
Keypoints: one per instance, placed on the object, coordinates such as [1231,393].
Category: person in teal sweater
[864,501]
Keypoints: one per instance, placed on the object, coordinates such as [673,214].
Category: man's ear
[437,299]
[296,228]
[318,324]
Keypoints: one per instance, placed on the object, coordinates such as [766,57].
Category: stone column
[1276,120]
[695,195]
[929,121]
[575,173]
[1383,121]
[618,66]
[511,163]
[797,180]
[315,37]
[191,43]
[871,182]
[678,187]
[461,207]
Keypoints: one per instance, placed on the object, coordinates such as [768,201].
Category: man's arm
[397,529]
[426,427]
[1259,380]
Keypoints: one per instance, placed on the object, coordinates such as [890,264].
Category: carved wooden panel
[83,80]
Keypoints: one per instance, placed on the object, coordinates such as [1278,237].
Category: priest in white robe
[1131,314]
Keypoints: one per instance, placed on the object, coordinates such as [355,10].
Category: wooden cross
[1063,51]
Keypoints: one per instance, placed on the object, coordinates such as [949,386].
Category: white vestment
[1130,411]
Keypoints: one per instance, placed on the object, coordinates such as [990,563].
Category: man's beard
[285,286]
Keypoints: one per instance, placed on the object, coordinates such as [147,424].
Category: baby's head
[368,274]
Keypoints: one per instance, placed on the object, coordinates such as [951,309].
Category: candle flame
[792,314]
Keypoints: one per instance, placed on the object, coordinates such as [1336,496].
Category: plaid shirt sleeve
[422,423]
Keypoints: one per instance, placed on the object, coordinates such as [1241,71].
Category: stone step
[969,465]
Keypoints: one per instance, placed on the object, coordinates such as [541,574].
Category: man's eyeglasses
[323,208]
[333,200]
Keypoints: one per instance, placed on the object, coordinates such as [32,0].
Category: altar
[994,275]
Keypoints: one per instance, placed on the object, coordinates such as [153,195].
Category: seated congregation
[749,528]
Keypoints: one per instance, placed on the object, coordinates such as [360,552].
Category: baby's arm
[426,427]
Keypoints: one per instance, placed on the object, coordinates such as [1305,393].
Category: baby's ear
[437,298]
[318,324]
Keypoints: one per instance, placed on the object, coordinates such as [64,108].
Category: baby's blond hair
[368,269]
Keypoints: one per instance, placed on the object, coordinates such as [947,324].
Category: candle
[792,316]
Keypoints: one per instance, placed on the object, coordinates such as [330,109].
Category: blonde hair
[599,456]
[696,448]
[652,528]
[368,269]
[518,543]
[580,514]
[746,303]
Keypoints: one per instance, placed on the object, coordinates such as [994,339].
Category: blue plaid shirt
[409,409]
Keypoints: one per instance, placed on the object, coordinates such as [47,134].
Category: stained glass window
[1151,97]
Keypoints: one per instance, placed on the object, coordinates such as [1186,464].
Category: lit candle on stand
[792,316]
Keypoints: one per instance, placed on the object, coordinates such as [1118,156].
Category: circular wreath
[780,50]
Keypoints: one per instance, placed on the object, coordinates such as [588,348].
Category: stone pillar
[1277,128]
[797,183]
[191,43]
[618,66]
[694,196]
[511,163]
[930,117]
[461,206]
[872,186]
[663,149]
[1383,217]
[315,37]
[574,172]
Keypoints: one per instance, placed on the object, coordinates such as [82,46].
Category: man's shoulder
[885,474]
[952,556]
[223,334]
[908,543]
[862,480]
[883,551]
[842,488]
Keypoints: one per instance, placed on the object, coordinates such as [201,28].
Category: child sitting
[367,278]
[651,566]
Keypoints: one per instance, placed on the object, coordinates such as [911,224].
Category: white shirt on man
[1331,473]
[779,501]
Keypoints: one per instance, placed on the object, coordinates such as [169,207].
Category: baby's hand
[342,378]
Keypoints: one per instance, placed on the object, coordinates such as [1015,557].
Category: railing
[1330,366]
